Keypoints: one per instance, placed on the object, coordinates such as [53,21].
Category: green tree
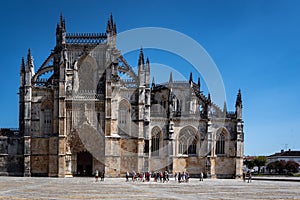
[249,163]
[260,161]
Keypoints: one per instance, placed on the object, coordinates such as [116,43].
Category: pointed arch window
[47,121]
[187,142]
[155,140]
[87,74]
[220,144]
[124,117]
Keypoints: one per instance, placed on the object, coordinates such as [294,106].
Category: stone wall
[11,153]
[39,156]
[193,165]
[225,167]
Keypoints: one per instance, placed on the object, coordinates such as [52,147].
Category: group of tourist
[158,176]
[182,177]
[97,174]
[145,176]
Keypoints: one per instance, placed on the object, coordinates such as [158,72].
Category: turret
[141,68]
[171,78]
[238,105]
[61,32]
[111,31]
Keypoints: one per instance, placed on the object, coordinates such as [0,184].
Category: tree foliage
[260,161]
[249,164]
[281,166]
[292,166]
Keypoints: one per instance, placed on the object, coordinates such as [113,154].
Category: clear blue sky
[255,45]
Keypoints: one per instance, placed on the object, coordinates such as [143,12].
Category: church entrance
[84,164]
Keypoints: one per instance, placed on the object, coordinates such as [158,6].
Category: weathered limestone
[93,112]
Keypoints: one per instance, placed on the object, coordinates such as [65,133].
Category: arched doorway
[84,164]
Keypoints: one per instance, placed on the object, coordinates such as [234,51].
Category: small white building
[285,155]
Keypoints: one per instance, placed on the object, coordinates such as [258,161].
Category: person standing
[102,176]
[127,176]
[201,176]
[244,176]
[96,175]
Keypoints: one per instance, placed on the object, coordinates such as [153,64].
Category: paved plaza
[117,188]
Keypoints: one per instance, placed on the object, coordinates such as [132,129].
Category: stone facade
[85,109]
[11,152]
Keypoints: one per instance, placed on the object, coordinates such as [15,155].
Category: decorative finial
[153,82]
[141,57]
[147,65]
[29,57]
[225,107]
[239,98]
[111,26]
[171,78]
[22,65]
[208,98]
[191,77]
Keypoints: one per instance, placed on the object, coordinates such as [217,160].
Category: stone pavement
[117,188]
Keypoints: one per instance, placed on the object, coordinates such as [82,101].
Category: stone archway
[84,164]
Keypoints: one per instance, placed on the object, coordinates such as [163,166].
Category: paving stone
[117,188]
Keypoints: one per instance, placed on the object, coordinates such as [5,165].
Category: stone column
[27,157]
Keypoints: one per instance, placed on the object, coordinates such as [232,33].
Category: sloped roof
[286,153]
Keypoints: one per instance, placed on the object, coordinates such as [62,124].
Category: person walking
[127,176]
[249,177]
[179,177]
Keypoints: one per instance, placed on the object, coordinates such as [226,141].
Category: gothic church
[86,109]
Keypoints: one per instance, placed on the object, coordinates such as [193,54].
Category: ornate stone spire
[239,99]
[61,31]
[239,106]
[153,82]
[147,73]
[62,22]
[22,67]
[22,72]
[171,78]
[141,58]
[225,107]
[208,98]
[199,84]
[29,62]
[147,65]
[111,27]
[191,77]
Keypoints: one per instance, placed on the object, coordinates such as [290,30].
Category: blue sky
[255,45]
